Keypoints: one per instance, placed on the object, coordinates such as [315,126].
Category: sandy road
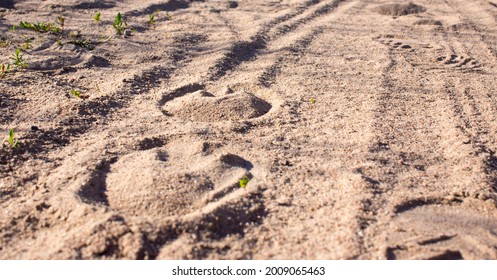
[368,132]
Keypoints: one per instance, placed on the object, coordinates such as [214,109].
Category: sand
[367,129]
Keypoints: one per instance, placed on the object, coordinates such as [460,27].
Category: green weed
[4,70]
[312,100]
[41,27]
[244,181]
[18,60]
[119,25]
[96,17]
[83,44]
[76,93]
[151,19]
[61,20]
[13,142]
[26,45]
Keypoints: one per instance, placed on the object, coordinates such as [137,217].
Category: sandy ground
[368,130]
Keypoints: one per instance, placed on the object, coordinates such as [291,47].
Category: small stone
[127,33]
[34,128]
[74,34]
[232,4]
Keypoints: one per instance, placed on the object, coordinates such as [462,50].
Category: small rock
[232,4]
[74,34]
[34,128]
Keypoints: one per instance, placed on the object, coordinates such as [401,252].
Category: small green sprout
[61,20]
[244,181]
[76,93]
[151,19]
[26,45]
[313,100]
[83,44]
[13,142]
[18,60]
[13,28]
[119,25]
[4,70]
[96,17]
[41,27]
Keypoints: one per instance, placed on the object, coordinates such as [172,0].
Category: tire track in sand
[425,166]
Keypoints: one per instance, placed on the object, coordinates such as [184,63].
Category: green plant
[96,17]
[13,142]
[83,44]
[119,25]
[76,93]
[244,181]
[18,60]
[151,19]
[61,21]
[13,28]
[26,45]
[41,27]
[313,100]
[4,69]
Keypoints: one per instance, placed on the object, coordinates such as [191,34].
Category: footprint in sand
[395,45]
[152,182]
[202,106]
[439,230]
[459,62]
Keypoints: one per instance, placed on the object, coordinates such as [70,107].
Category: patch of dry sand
[392,159]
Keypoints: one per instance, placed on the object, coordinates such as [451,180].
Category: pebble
[232,4]
[74,34]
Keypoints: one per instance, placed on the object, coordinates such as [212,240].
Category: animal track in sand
[202,106]
[439,229]
[433,22]
[400,9]
[394,44]
[150,183]
[48,57]
[460,62]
